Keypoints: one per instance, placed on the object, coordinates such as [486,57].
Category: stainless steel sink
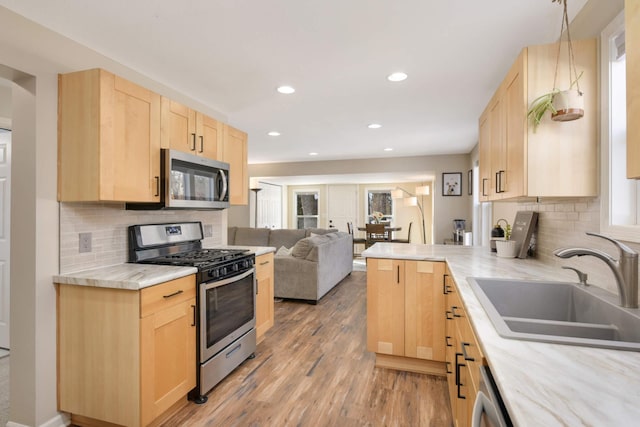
[558,312]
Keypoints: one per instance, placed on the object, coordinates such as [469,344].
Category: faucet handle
[624,249]
[581,276]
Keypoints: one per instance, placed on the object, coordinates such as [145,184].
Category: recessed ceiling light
[397,77]
[374,126]
[388,149]
[274,133]
[287,90]
[313,154]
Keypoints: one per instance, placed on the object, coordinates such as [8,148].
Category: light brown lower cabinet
[264,296]
[126,358]
[405,326]
[463,356]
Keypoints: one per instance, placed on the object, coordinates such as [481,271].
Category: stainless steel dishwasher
[489,409]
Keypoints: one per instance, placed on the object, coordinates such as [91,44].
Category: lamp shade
[254,183]
[411,201]
[397,193]
[422,190]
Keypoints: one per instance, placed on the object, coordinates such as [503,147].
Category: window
[379,201]
[620,204]
[307,209]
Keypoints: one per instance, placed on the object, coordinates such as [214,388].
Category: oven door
[227,312]
[489,410]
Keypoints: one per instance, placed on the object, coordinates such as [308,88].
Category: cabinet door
[234,152]
[513,180]
[632,40]
[498,150]
[385,306]
[131,157]
[168,357]
[264,297]
[484,147]
[424,305]
[178,126]
[209,139]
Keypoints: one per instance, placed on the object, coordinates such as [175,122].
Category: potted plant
[564,105]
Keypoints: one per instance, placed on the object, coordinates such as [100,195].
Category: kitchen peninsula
[540,383]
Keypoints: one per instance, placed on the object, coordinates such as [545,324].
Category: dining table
[388,228]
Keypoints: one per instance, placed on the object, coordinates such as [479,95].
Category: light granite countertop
[542,384]
[125,276]
[134,277]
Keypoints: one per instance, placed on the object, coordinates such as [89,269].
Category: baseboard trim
[60,420]
[420,366]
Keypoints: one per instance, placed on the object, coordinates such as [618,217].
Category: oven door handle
[484,405]
[215,283]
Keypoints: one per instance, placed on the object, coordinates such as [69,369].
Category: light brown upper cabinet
[108,139]
[190,131]
[558,159]
[632,41]
[234,152]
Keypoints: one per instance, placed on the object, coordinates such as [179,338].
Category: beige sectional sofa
[308,263]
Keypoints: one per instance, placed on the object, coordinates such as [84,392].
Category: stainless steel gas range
[226,295]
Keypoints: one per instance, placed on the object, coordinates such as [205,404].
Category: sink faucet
[625,269]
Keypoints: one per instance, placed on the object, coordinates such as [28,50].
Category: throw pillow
[283,251]
[302,248]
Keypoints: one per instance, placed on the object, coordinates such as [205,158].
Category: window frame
[367,215]
[295,207]
[629,233]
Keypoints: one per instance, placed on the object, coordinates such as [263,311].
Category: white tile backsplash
[108,224]
[563,223]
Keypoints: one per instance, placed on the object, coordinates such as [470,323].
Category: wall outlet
[208,230]
[84,244]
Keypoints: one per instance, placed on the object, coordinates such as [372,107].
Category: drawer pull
[193,147]
[458,382]
[447,313]
[173,294]
[453,310]
[464,346]
[264,263]
[446,340]
[445,288]
[449,371]
[201,144]
[193,307]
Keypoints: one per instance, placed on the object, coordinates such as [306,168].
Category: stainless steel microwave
[190,182]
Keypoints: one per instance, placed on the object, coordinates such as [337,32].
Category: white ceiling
[232,54]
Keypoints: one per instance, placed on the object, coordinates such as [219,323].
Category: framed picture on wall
[452,184]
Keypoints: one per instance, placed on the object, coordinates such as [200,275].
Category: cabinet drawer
[264,266]
[159,297]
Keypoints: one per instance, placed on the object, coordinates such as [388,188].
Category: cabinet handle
[264,263]
[444,284]
[501,183]
[447,313]
[497,182]
[458,382]
[173,294]
[484,192]
[201,144]
[464,346]
[453,310]
[193,148]
[446,340]
[398,275]
[193,307]
[157,178]
[449,371]
[257,286]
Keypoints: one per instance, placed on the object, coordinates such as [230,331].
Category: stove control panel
[227,269]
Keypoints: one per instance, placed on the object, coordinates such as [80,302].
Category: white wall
[445,208]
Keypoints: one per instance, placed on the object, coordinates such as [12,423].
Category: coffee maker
[458,231]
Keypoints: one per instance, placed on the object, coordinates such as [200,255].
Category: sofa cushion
[252,236]
[282,251]
[231,235]
[285,237]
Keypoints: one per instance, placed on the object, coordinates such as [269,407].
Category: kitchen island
[542,384]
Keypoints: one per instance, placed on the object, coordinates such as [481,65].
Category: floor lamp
[255,189]
[412,200]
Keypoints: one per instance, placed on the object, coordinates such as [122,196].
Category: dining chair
[356,240]
[408,239]
[375,233]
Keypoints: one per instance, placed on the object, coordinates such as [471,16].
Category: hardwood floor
[313,369]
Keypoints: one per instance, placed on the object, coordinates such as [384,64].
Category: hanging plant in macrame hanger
[565,105]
